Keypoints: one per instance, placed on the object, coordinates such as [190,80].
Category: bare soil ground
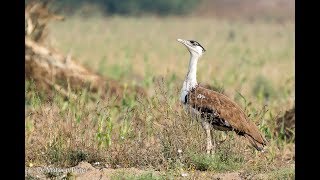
[85,170]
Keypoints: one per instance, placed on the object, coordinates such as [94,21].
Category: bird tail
[256,139]
[256,144]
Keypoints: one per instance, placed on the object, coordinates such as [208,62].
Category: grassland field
[251,62]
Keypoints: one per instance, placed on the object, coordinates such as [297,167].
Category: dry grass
[255,59]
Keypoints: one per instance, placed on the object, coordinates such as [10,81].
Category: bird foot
[211,149]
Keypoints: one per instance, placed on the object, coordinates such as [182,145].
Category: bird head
[193,47]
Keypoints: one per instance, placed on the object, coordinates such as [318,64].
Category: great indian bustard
[215,109]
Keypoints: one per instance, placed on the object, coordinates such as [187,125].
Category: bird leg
[206,127]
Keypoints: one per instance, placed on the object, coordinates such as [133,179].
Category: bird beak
[184,42]
[181,41]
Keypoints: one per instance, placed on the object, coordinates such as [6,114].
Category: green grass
[29,177]
[219,162]
[131,48]
[253,63]
[285,173]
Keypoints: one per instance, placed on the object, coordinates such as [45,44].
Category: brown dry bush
[51,69]
[286,125]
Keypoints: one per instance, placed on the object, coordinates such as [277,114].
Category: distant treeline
[247,9]
[128,7]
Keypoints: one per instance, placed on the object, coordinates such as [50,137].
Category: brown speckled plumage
[215,110]
[223,114]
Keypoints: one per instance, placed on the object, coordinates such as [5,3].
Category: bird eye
[194,43]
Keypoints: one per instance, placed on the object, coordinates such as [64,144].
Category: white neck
[191,78]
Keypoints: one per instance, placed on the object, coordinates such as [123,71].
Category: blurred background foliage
[128,7]
[252,9]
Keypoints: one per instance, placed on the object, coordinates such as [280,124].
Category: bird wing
[213,104]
